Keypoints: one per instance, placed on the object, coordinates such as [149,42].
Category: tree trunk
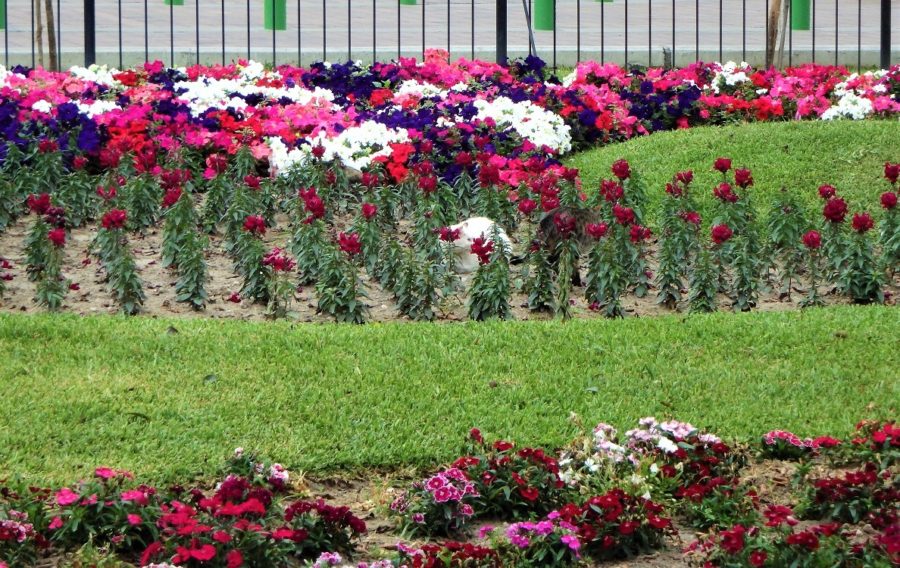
[778,13]
[39,31]
[51,36]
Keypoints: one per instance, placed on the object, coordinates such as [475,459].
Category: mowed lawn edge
[170,398]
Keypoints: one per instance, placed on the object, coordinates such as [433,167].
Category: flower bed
[304,176]
[612,497]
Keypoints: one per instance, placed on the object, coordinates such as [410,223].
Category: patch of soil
[93,297]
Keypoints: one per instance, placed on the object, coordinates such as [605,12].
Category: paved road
[359,28]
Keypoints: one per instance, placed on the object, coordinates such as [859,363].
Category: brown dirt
[92,296]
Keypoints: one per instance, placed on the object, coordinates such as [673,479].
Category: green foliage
[858,275]
[123,280]
[141,197]
[539,283]
[181,223]
[785,227]
[37,249]
[416,288]
[339,290]
[309,246]
[490,289]
[52,286]
[192,273]
[704,283]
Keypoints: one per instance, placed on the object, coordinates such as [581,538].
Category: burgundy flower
[482,248]
[862,222]
[733,539]
[57,236]
[611,191]
[279,261]
[114,219]
[79,162]
[565,224]
[56,216]
[529,493]
[252,182]
[526,206]
[171,197]
[724,192]
[349,243]
[835,210]
[216,163]
[685,177]
[722,165]
[370,180]
[674,189]
[743,178]
[596,230]
[891,172]
[888,200]
[255,225]
[475,434]
[721,234]
[369,211]
[804,539]
[107,194]
[812,240]
[827,191]
[639,234]
[428,184]
[39,203]
[318,151]
[758,558]
[624,215]
[47,146]
[449,235]
[691,217]
[621,169]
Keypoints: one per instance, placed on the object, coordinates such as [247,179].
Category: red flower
[114,219]
[318,151]
[565,224]
[475,434]
[428,184]
[279,261]
[349,243]
[203,554]
[891,172]
[57,236]
[888,200]
[721,234]
[482,248]
[252,182]
[758,558]
[611,191]
[628,527]
[596,230]
[47,146]
[621,169]
[812,240]
[804,539]
[370,180]
[691,217]
[733,539]
[150,552]
[724,192]
[79,162]
[502,445]
[623,215]
[827,191]
[448,235]
[743,178]
[639,233]
[526,206]
[529,493]
[369,211]
[39,203]
[835,210]
[171,197]
[862,222]
[234,558]
[216,164]
[255,225]
[722,165]
[107,194]
[685,177]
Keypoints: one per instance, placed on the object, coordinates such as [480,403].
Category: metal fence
[60,33]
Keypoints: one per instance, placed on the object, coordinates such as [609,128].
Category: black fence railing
[56,33]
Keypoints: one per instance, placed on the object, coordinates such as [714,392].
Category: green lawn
[799,156]
[78,392]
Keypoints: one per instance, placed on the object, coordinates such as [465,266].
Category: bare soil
[90,295]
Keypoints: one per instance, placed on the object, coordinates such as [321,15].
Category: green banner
[800,14]
[275,14]
[543,16]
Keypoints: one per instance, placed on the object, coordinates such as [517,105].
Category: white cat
[469,230]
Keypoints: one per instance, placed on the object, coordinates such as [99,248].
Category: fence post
[90,33]
[885,34]
[501,32]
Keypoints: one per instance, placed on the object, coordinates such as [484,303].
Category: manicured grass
[79,392]
[799,156]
